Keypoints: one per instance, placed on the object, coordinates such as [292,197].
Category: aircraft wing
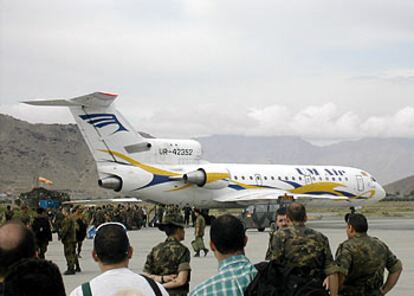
[261,196]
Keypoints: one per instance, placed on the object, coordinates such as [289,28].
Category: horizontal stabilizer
[96,99]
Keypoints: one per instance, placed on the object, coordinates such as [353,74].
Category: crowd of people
[298,260]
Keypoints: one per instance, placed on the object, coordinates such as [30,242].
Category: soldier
[187,213]
[99,217]
[58,220]
[169,262]
[68,236]
[281,222]
[362,259]
[198,243]
[160,213]
[9,213]
[145,216]
[305,250]
[42,231]
[81,229]
[25,215]
[139,217]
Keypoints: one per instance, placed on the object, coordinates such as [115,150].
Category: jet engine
[111,182]
[208,177]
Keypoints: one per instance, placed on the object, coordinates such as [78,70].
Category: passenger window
[280,178]
[300,178]
[273,178]
[235,178]
[243,178]
[346,178]
[286,178]
[320,178]
[333,178]
[250,177]
[313,178]
[340,179]
[293,178]
[265,177]
[327,178]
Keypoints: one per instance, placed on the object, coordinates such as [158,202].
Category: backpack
[276,280]
[299,282]
[268,281]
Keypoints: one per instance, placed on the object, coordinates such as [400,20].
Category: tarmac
[396,232]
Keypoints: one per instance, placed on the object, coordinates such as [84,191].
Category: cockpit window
[373,179]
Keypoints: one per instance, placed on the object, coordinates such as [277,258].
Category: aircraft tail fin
[104,129]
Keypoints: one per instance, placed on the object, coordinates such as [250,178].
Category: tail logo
[100,120]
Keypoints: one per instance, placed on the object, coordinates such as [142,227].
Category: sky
[324,70]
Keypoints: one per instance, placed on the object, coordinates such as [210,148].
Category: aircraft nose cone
[381,192]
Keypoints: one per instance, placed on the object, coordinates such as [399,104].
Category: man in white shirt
[112,252]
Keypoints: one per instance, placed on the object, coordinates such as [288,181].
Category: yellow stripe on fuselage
[145,167]
[180,188]
[247,186]
[371,193]
[213,177]
[318,187]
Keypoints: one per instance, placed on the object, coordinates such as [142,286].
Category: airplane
[171,171]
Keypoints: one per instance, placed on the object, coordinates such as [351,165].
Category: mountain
[54,151]
[58,152]
[387,159]
[404,187]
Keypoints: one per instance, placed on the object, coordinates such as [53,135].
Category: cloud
[400,76]
[324,122]
[400,124]
[328,122]
[193,67]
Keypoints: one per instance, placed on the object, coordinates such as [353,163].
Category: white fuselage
[358,186]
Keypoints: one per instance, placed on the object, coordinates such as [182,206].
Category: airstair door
[258,179]
[360,183]
[308,179]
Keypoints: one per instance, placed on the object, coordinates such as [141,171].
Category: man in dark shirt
[16,242]
[362,259]
[42,231]
[304,249]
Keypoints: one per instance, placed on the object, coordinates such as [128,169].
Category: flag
[44,181]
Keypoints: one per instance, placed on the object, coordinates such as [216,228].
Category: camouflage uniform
[99,217]
[170,257]
[25,217]
[198,243]
[68,236]
[272,233]
[57,222]
[303,248]
[362,260]
[81,230]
